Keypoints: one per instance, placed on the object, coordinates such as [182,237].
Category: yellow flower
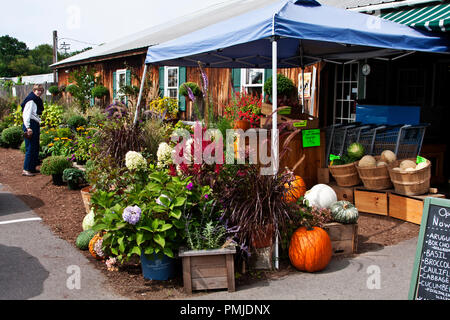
[51,144]
[56,139]
[64,138]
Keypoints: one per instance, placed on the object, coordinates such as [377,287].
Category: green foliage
[99,91]
[7,105]
[73,176]
[194,87]
[86,140]
[55,165]
[84,80]
[161,105]
[52,115]
[12,137]
[285,86]
[154,132]
[83,239]
[76,121]
[160,227]
[63,133]
[17,116]
[54,90]
[22,147]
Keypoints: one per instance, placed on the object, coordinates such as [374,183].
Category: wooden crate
[371,201]
[343,193]
[344,237]
[208,269]
[408,208]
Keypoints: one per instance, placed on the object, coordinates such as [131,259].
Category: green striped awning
[430,18]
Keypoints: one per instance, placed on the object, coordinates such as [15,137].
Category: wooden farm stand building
[334,90]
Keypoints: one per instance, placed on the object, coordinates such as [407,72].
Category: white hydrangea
[134,160]
[164,154]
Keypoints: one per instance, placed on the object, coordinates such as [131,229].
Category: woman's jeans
[32,147]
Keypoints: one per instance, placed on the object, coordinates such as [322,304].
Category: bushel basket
[345,175]
[410,183]
[374,178]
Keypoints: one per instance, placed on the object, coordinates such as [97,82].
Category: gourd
[407,164]
[344,212]
[310,249]
[421,165]
[84,238]
[320,196]
[388,156]
[88,220]
[356,150]
[92,243]
[381,163]
[295,190]
[367,161]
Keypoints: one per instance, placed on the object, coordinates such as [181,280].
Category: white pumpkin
[321,196]
[381,163]
[88,220]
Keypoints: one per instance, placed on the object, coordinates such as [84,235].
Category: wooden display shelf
[408,208]
[344,237]
[372,201]
[343,193]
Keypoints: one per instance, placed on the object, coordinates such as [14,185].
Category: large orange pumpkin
[295,190]
[310,250]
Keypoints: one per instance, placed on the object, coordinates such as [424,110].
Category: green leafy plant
[54,90]
[83,80]
[165,104]
[85,142]
[76,121]
[12,137]
[55,165]
[64,133]
[146,219]
[52,116]
[99,91]
[285,86]
[74,177]
[194,88]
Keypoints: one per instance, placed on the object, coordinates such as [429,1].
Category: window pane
[255,91]
[121,80]
[172,77]
[254,77]
[173,93]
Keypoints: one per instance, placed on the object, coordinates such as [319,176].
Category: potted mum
[55,166]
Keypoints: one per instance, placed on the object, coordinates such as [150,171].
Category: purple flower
[190,186]
[206,196]
[93,145]
[88,137]
[190,93]
[131,214]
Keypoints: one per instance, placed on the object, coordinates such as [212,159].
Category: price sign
[431,272]
[311,138]
[420,159]
[300,124]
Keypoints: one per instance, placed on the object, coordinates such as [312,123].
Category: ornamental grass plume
[134,160]
[132,215]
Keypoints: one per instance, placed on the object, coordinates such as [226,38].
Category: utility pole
[55,55]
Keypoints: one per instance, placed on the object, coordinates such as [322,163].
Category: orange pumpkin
[295,190]
[310,250]
[97,237]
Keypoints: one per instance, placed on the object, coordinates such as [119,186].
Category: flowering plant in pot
[245,110]
[55,166]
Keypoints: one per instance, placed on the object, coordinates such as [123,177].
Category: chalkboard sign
[431,272]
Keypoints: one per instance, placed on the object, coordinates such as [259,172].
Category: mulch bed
[63,211]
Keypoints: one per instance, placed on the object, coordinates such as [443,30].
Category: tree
[23,66]
[10,49]
[84,80]
[42,57]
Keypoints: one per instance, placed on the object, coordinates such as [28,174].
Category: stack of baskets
[345,175]
[374,178]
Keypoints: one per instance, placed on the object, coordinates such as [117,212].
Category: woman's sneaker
[27,173]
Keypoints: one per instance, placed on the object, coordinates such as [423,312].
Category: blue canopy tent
[290,33]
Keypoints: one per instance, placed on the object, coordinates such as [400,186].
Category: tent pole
[275,146]
[144,74]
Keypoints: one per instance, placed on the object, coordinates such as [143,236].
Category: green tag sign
[300,124]
[420,159]
[311,138]
[334,157]
[285,111]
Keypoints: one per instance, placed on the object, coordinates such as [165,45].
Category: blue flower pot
[158,268]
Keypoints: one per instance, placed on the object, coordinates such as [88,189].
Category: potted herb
[74,177]
[55,166]
[208,259]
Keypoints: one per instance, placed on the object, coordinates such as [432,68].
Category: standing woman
[32,108]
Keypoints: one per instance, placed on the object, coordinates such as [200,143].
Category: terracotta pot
[242,124]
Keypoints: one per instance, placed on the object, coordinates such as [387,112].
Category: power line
[92,44]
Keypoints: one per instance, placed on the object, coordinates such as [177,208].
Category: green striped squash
[344,212]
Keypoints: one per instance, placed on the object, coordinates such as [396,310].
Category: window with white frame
[252,81]
[346,92]
[171,84]
[121,82]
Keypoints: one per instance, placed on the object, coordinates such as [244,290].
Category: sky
[89,22]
